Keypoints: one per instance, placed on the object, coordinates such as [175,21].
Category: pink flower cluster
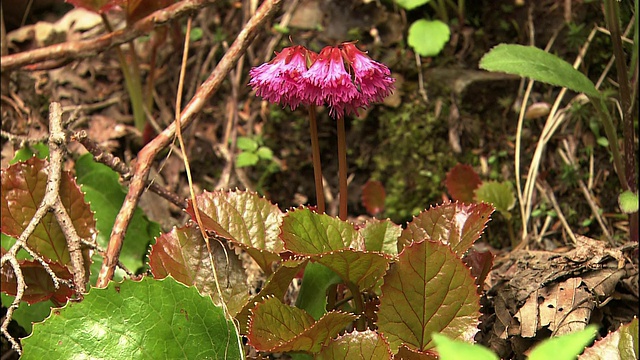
[299,76]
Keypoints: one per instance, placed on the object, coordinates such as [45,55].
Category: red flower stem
[342,169]
[317,166]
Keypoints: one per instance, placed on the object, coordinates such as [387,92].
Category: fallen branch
[87,48]
[50,202]
[148,153]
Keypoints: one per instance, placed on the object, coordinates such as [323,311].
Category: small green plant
[428,37]
[251,151]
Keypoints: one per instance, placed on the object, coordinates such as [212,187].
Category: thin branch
[91,47]
[149,152]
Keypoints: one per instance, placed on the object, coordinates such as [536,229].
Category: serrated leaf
[458,350]
[246,219]
[428,37]
[381,235]
[245,159]
[565,347]
[246,144]
[429,289]
[23,188]
[537,64]
[39,150]
[276,286]
[499,194]
[308,233]
[39,285]
[373,197]
[105,194]
[406,353]
[149,319]
[182,254]
[25,315]
[411,4]
[364,345]
[621,344]
[456,224]
[276,327]
[461,182]
[480,264]
[361,268]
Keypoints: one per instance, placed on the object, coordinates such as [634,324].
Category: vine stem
[342,168]
[317,166]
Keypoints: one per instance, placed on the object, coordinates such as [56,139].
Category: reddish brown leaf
[276,327]
[137,9]
[480,263]
[23,188]
[429,289]
[373,196]
[39,284]
[182,253]
[455,224]
[365,345]
[461,182]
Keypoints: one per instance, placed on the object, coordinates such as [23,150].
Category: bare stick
[148,153]
[50,201]
[88,48]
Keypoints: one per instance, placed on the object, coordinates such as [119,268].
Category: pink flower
[328,81]
[373,79]
[279,81]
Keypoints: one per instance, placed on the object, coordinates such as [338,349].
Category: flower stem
[359,304]
[317,167]
[342,169]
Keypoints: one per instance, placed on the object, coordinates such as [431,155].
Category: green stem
[612,17]
[359,304]
[610,131]
[342,169]
[317,166]
[132,80]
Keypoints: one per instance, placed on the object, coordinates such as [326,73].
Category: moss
[411,158]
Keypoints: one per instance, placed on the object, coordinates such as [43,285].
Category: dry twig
[50,202]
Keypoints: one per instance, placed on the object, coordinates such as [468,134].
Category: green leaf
[565,347]
[276,327]
[22,190]
[182,254]
[246,144]
[8,241]
[461,182]
[537,64]
[149,319]
[363,269]
[411,4]
[365,345]
[458,225]
[276,286]
[373,197]
[628,202]
[499,194]
[316,281]
[621,344]
[308,233]
[105,194]
[245,159]
[264,153]
[196,34]
[39,150]
[25,315]
[381,235]
[603,141]
[428,37]
[428,290]
[460,350]
[245,218]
